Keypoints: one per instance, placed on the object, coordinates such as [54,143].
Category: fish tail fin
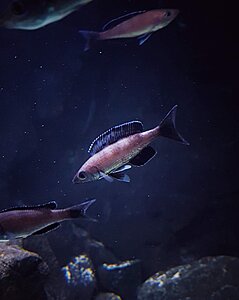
[90,37]
[167,127]
[79,210]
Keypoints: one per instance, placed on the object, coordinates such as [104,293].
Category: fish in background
[139,24]
[123,146]
[23,221]
[34,14]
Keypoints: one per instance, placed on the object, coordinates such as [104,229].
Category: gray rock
[99,254]
[122,278]
[210,278]
[22,274]
[80,278]
[108,296]
[55,285]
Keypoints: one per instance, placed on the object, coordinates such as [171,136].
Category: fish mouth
[76,179]
[175,12]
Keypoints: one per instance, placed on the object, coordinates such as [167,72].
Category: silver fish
[123,146]
[20,222]
[139,24]
[34,14]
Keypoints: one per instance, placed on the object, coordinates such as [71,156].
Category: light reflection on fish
[139,24]
[20,222]
[34,14]
[123,146]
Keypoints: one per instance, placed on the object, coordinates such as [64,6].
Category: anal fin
[47,229]
[143,157]
[143,38]
[120,176]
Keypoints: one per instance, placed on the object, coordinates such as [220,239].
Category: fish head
[162,17]
[24,14]
[84,176]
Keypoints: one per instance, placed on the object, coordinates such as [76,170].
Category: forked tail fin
[167,127]
[90,37]
[79,211]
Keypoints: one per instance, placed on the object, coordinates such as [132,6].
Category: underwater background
[56,99]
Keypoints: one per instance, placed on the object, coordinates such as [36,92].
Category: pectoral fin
[123,168]
[143,157]
[106,177]
[47,229]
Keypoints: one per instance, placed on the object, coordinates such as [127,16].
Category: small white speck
[40,67]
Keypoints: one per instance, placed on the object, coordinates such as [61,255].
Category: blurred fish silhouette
[123,146]
[34,14]
[20,222]
[139,24]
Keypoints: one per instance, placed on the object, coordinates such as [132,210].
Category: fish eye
[167,13]
[18,8]
[82,176]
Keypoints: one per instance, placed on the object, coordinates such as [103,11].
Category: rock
[122,278]
[108,296]
[55,285]
[98,253]
[80,277]
[210,278]
[22,274]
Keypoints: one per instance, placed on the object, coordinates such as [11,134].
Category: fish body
[34,14]
[144,23]
[120,153]
[124,146]
[141,25]
[20,222]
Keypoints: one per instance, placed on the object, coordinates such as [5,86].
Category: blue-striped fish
[123,146]
[138,24]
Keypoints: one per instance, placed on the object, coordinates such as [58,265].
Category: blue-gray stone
[108,296]
[122,278]
[80,277]
[210,278]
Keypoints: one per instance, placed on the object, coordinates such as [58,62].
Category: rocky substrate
[23,274]
[210,278]
[97,274]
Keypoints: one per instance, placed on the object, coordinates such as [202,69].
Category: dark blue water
[56,98]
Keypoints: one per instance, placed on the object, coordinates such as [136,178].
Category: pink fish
[20,222]
[141,24]
[123,146]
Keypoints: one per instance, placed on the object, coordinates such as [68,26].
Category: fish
[35,14]
[23,221]
[139,24]
[123,146]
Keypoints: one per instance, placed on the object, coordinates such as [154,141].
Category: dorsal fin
[49,205]
[120,19]
[114,134]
